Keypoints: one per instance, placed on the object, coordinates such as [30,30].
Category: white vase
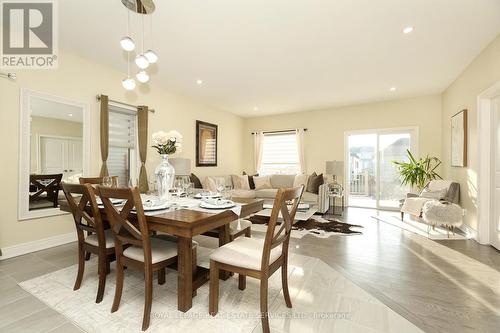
[165,174]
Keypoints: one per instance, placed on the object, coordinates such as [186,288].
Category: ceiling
[292,55]
[49,109]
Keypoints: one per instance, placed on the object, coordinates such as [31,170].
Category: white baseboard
[41,244]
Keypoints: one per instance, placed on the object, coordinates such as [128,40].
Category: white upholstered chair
[259,258]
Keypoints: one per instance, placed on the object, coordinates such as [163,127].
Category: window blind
[122,143]
[280,155]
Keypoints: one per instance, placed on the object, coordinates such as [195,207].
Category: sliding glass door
[372,179]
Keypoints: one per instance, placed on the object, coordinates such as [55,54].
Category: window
[280,154]
[122,158]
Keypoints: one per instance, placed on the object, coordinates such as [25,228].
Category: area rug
[316,225]
[323,301]
[420,228]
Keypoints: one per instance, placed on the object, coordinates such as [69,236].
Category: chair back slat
[276,236]
[122,218]
[83,205]
[98,180]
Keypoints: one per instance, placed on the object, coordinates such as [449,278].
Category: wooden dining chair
[82,202]
[146,253]
[98,180]
[45,187]
[258,258]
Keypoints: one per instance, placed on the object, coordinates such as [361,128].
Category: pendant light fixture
[142,59]
[127,42]
[128,83]
[150,54]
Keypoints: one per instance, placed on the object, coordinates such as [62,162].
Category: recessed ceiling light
[198,82]
[255,108]
[407,30]
[392,89]
[70,115]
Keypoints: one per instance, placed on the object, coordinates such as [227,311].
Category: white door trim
[485,154]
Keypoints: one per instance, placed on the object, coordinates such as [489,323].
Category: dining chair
[259,258]
[98,180]
[45,187]
[146,253]
[82,202]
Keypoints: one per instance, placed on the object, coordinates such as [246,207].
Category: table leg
[184,274]
[224,238]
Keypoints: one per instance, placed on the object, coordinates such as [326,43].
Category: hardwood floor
[445,286]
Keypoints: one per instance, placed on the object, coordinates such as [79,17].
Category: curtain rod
[281,131]
[126,104]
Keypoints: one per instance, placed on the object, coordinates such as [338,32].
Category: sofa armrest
[323,198]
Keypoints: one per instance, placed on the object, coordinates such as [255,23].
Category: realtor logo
[29,34]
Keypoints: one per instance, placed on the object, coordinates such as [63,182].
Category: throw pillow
[209,184]
[437,195]
[195,180]
[300,180]
[240,182]
[315,181]
[262,183]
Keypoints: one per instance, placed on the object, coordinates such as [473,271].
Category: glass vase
[165,174]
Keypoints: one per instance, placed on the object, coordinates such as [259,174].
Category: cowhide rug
[316,225]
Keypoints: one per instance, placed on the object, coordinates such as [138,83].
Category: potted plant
[418,173]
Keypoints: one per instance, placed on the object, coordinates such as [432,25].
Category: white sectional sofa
[320,200]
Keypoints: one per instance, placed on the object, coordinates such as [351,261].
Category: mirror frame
[24,151]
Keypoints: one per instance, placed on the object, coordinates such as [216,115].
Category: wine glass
[107,181]
[228,192]
[179,186]
[220,184]
[185,185]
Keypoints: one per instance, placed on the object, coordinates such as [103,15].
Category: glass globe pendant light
[127,43]
[128,83]
[142,76]
[141,61]
[151,56]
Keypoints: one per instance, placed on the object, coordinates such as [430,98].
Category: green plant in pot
[418,173]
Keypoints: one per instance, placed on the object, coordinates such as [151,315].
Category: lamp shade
[182,166]
[334,168]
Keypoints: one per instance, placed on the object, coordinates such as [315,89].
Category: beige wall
[50,126]
[324,139]
[81,80]
[481,74]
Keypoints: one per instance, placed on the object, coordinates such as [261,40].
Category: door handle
[65,170]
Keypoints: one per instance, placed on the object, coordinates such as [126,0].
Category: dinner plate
[212,196]
[162,206]
[224,205]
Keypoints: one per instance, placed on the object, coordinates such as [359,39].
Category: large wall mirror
[54,147]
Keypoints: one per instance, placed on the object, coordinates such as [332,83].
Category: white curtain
[300,149]
[258,143]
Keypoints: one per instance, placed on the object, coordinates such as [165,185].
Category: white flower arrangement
[167,142]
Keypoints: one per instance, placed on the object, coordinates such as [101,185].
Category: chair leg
[195,268]
[242,282]
[213,306]
[161,276]
[402,216]
[102,270]
[284,282]
[81,267]
[148,298]
[87,256]
[263,305]
[248,232]
[119,285]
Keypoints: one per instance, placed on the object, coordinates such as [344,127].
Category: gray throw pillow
[314,182]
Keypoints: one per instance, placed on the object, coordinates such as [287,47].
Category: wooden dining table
[186,224]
